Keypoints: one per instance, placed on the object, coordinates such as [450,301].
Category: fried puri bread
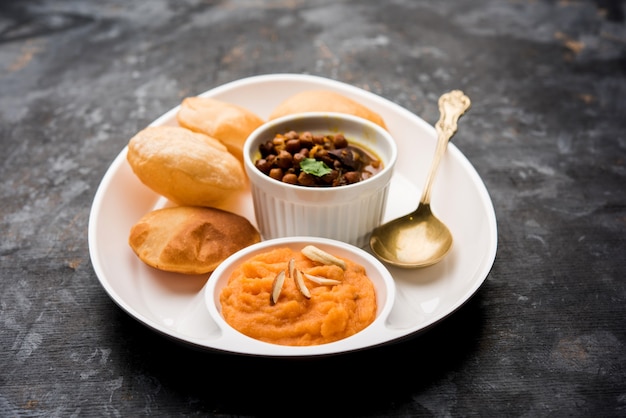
[229,123]
[189,168]
[190,240]
[324,101]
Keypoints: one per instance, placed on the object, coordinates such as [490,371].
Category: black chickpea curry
[316,160]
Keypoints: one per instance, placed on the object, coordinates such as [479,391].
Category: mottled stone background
[544,336]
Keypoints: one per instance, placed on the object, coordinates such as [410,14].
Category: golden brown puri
[190,240]
[324,101]
[229,123]
[189,168]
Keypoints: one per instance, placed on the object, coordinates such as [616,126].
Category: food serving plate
[174,304]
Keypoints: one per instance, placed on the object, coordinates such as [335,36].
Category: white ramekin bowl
[346,213]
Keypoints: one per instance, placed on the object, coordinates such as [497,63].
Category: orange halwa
[332,313]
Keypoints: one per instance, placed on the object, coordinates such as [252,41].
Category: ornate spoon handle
[452,106]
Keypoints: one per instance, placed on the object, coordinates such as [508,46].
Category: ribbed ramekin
[346,213]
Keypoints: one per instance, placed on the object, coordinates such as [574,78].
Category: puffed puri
[188,168]
[227,122]
[325,101]
[190,240]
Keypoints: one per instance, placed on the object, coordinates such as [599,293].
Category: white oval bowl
[373,334]
[346,213]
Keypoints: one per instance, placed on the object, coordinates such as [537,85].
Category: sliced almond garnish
[291,267]
[321,280]
[321,256]
[277,286]
[300,284]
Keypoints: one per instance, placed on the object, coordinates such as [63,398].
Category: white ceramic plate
[174,304]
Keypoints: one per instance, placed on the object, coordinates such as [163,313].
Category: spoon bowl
[420,239]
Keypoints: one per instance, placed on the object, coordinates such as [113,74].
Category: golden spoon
[419,239]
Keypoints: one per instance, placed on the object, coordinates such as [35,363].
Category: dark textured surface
[544,336]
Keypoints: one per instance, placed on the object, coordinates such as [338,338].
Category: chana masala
[316,160]
[339,299]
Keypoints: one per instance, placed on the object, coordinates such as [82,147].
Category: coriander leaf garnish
[314,167]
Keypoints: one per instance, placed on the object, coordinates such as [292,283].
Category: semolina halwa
[330,314]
